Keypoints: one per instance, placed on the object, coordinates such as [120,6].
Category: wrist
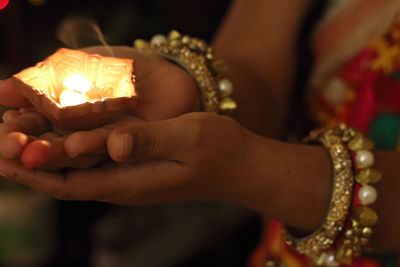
[196,105]
[289,182]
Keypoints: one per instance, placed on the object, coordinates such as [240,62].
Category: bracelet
[342,188]
[351,194]
[197,58]
[358,229]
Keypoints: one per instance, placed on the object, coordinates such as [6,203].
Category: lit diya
[79,91]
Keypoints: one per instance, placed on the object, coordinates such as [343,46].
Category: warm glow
[69,78]
[75,93]
[77,82]
[72,98]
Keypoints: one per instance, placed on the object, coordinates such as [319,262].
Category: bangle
[342,188]
[197,58]
[342,237]
[358,229]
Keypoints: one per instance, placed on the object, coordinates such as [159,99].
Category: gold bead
[211,94]
[220,66]
[176,43]
[202,46]
[186,39]
[367,232]
[368,176]
[227,104]
[355,224]
[364,241]
[342,126]
[349,252]
[359,142]
[173,35]
[347,242]
[365,216]
[140,44]
[349,233]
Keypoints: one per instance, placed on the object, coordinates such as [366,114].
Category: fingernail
[70,154]
[124,145]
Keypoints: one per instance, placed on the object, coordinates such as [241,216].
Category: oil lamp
[79,91]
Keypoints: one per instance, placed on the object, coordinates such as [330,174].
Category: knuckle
[141,143]
[216,130]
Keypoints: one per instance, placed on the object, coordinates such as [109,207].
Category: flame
[75,93]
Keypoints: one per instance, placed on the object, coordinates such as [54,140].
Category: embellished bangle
[359,225]
[342,188]
[352,232]
[197,58]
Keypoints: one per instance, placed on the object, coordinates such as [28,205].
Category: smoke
[78,32]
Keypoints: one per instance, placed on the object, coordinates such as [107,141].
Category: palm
[164,89]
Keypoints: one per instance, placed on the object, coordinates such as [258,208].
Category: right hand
[164,91]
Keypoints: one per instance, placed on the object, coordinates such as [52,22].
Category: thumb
[10,96]
[169,140]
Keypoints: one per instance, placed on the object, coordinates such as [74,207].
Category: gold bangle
[197,58]
[362,218]
[342,188]
[340,240]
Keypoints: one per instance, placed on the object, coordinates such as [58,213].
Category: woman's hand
[164,90]
[191,157]
[197,156]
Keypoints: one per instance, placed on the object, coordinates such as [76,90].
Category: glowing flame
[75,93]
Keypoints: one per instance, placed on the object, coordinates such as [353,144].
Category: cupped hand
[197,156]
[28,136]
[164,91]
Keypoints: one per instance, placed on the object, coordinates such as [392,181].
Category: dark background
[28,31]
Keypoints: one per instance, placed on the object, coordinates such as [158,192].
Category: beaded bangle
[358,229]
[347,236]
[197,58]
[342,187]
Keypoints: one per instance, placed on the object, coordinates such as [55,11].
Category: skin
[159,155]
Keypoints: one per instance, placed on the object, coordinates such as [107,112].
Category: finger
[13,144]
[153,183]
[152,140]
[10,96]
[44,151]
[53,183]
[36,154]
[16,131]
[72,185]
[87,142]
[31,123]
[94,141]
[48,153]
[10,114]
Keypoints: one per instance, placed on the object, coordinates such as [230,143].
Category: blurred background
[38,231]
